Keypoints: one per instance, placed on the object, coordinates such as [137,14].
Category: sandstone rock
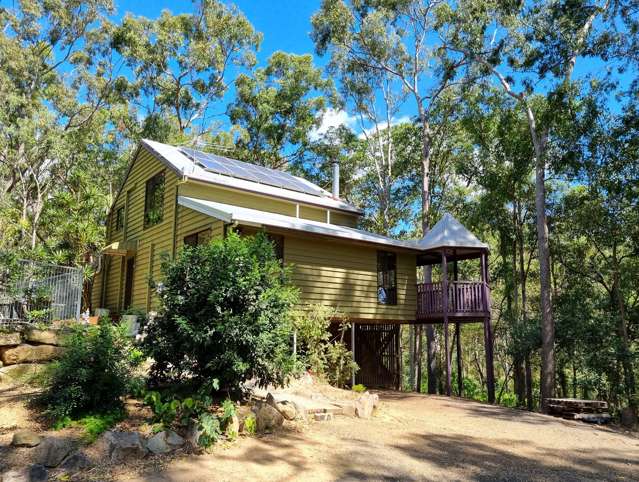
[628,417]
[287,409]
[364,405]
[32,473]
[125,445]
[52,450]
[8,339]
[232,427]
[268,418]
[158,444]
[20,373]
[270,399]
[348,408]
[174,440]
[25,438]
[47,337]
[75,462]
[29,353]
[193,433]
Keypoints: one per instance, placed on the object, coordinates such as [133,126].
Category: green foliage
[225,315]
[93,425]
[250,424]
[359,388]
[173,411]
[324,354]
[92,375]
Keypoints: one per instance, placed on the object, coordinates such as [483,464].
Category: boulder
[628,417]
[270,399]
[232,428]
[193,433]
[365,405]
[20,373]
[29,353]
[268,418]
[9,339]
[125,445]
[158,444]
[75,462]
[174,440]
[347,407]
[25,438]
[46,337]
[32,473]
[287,409]
[52,450]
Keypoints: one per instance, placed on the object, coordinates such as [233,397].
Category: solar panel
[250,172]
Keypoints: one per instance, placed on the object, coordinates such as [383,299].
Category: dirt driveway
[417,437]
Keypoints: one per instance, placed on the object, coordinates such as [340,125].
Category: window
[154,200]
[196,239]
[386,278]
[119,219]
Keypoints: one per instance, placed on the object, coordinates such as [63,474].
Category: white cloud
[334,118]
[383,125]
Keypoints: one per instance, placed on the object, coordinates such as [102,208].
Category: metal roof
[178,159]
[450,233]
[231,214]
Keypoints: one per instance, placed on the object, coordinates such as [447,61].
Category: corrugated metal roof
[241,215]
[192,170]
[450,233]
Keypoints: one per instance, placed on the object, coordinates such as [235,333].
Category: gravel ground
[418,437]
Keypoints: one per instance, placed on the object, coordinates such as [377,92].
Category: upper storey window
[154,200]
[386,278]
[119,219]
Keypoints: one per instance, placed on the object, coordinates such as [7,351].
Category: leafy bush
[359,388]
[93,373]
[93,425]
[172,411]
[226,314]
[324,354]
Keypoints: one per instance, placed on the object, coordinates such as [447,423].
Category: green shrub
[92,375]
[324,354]
[93,425]
[359,388]
[226,315]
[173,411]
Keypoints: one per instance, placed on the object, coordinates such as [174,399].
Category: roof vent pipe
[336,179]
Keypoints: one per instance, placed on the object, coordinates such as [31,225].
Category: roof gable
[450,233]
[181,162]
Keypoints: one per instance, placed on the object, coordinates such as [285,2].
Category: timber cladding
[345,276]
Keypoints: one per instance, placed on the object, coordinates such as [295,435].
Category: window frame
[387,278]
[153,183]
[199,239]
[119,219]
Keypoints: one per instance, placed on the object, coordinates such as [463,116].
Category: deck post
[460,380]
[488,335]
[353,353]
[445,310]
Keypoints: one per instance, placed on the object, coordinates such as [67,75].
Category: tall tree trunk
[625,354]
[524,307]
[543,247]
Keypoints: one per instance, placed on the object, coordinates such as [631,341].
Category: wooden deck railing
[465,299]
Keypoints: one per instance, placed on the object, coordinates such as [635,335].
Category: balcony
[467,301]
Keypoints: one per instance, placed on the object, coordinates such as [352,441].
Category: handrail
[464,297]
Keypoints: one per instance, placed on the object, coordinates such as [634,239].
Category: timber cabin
[177,196]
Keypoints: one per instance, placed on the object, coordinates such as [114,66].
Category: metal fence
[35,292]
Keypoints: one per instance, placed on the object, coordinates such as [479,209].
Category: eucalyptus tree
[48,106]
[180,66]
[277,108]
[401,39]
[532,50]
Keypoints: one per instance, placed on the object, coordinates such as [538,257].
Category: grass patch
[93,425]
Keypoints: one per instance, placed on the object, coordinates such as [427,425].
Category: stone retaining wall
[24,351]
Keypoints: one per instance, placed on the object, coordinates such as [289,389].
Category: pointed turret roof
[450,233]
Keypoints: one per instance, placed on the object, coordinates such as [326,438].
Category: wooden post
[488,335]
[445,309]
[460,379]
[353,353]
